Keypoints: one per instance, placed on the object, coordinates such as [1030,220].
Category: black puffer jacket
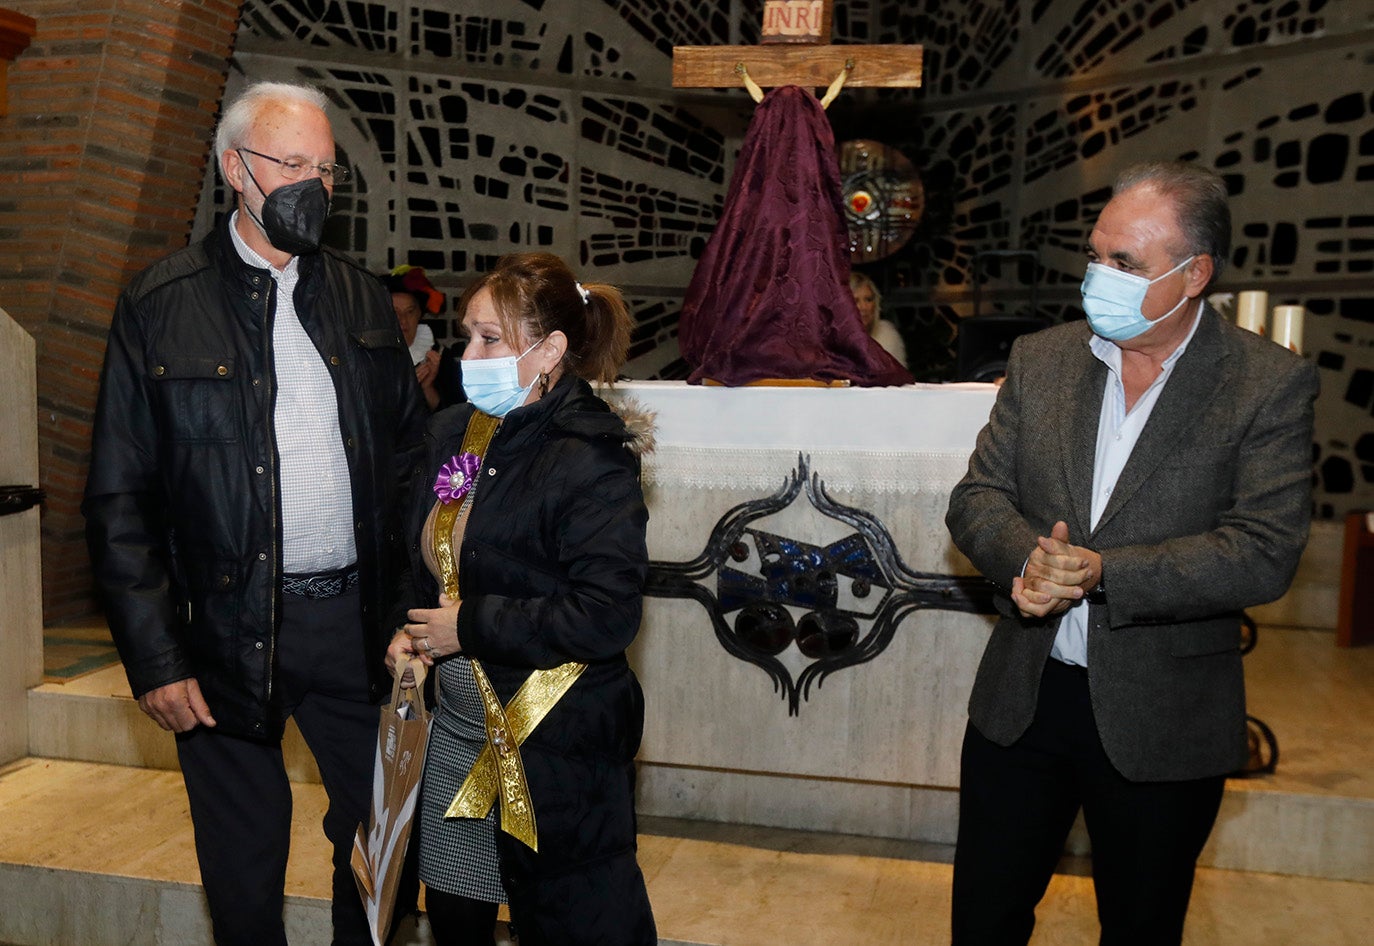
[182,510]
[552,570]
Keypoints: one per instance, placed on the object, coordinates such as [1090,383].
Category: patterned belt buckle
[329,585]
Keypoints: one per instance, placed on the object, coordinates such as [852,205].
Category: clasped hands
[1056,575]
[430,634]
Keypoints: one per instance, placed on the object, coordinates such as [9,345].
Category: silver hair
[238,118]
[1199,198]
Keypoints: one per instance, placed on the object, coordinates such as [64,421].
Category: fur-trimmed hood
[639,421]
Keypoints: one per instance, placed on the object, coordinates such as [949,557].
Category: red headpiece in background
[412,279]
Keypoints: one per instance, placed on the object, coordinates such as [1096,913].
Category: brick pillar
[102,155]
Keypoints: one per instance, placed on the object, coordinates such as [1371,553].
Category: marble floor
[732,884]
[1319,700]
[74,650]
[768,886]
[710,884]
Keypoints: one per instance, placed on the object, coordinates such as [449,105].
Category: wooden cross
[796,50]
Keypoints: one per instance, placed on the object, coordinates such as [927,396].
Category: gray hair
[238,118]
[1199,199]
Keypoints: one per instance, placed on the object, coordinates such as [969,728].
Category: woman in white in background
[867,298]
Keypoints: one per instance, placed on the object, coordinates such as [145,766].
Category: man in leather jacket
[257,410]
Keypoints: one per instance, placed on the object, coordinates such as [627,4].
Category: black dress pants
[240,795]
[456,920]
[1017,804]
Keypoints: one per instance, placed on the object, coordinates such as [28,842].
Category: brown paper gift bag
[379,849]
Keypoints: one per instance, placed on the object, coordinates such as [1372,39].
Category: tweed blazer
[1209,516]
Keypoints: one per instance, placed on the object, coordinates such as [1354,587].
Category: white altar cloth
[935,417]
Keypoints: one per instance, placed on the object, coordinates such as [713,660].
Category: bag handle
[415,695]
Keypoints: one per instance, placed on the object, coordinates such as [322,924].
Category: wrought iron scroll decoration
[801,575]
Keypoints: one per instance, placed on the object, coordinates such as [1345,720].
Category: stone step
[98,855]
[1312,818]
[94,718]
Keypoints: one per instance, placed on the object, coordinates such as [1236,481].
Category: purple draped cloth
[770,296]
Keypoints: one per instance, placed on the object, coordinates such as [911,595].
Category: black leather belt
[322,585]
[1064,666]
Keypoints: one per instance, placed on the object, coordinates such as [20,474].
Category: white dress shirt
[316,490]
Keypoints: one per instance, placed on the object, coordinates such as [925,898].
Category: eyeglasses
[295,170]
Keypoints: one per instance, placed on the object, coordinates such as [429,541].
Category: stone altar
[871,748]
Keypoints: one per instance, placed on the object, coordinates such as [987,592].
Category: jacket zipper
[269,379]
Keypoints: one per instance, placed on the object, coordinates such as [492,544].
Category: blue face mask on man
[492,385]
[1112,301]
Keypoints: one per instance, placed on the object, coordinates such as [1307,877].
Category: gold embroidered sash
[498,771]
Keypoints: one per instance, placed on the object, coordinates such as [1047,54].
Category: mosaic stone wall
[1030,109]
[550,124]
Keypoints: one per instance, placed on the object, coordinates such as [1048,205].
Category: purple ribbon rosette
[456,477]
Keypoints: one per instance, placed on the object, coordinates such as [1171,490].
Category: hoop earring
[543,383]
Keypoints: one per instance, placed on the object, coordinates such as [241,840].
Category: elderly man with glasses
[257,407]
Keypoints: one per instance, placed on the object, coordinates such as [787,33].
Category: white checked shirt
[1117,433]
[316,492]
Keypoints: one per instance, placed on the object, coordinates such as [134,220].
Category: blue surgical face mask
[1112,301]
[492,385]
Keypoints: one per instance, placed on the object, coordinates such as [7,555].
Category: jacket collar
[1084,379]
[243,275]
[570,407]
[1200,372]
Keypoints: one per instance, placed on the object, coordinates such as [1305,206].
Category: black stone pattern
[839,604]
[479,129]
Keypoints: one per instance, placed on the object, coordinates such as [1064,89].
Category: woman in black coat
[528,564]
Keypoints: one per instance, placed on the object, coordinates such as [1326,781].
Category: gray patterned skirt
[457,855]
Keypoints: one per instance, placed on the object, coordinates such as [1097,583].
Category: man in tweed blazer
[1144,476]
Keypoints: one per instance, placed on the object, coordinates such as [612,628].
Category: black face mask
[293,215]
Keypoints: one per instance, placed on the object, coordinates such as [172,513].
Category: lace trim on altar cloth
[867,471]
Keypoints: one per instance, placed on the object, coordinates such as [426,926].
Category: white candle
[1252,308]
[1288,326]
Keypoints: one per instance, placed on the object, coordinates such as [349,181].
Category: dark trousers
[241,798]
[455,920]
[1017,804]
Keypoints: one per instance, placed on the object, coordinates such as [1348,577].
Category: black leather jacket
[182,509]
